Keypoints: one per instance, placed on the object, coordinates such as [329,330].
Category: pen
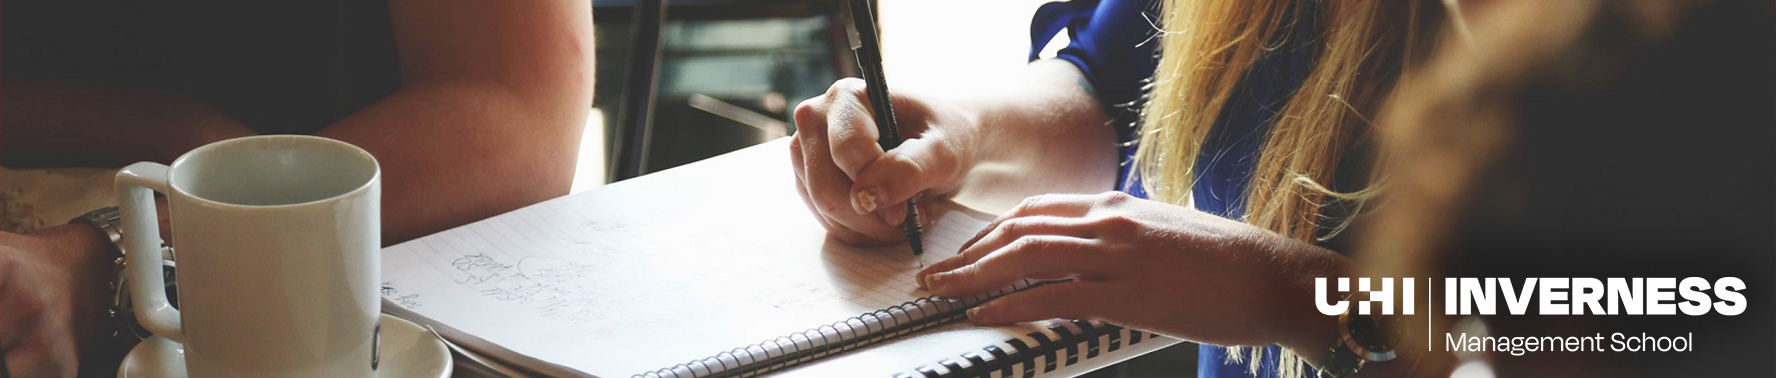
[865,45]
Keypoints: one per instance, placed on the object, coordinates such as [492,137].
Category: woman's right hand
[856,189]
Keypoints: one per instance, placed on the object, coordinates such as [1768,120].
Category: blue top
[1113,44]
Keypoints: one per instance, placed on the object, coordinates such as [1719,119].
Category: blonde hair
[1207,47]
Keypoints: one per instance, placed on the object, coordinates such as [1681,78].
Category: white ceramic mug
[278,240]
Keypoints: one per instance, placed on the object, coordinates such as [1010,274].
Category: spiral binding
[800,347]
[1071,335]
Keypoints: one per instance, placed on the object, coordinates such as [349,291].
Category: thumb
[917,165]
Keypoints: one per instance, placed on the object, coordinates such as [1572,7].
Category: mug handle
[136,185]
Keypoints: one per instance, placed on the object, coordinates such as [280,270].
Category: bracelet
[106,219]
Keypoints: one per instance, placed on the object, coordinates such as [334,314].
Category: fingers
[36,358]
[927,162]
[1059,205]
[801,184]
[893,213]
[823,186]
[836,141]
[850,130]
[837,231]
[1037,257]
[1065,300]
[1045,214]
[1004,232]
[23,308]
[37,337]
[24,342]
[819,176]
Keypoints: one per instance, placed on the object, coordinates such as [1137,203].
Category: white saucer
[408,350]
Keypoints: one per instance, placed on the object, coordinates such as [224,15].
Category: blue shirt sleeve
[1114,44]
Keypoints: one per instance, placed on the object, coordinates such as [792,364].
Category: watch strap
[106,219]
[119,310]
[1361,339]
[1343,363]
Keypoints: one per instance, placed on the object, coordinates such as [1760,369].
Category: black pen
[868,50]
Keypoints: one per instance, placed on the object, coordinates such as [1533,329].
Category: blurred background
[730,72]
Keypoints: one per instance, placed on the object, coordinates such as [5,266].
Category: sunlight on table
[589,167]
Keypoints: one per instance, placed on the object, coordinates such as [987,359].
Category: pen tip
[913,230]
[914,239]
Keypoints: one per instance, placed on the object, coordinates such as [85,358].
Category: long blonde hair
[1207,47]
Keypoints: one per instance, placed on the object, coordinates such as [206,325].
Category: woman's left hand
[1146,265]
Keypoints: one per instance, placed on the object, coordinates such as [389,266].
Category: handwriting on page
[409,301]
[539,283]
[546,286]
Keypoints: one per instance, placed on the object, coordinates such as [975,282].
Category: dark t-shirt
[277,66]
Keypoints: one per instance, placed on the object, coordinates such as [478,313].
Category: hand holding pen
[865,43]
[856,189]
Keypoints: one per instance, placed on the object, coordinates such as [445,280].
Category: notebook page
[652,272]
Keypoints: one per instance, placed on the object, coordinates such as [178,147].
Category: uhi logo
[1365,295]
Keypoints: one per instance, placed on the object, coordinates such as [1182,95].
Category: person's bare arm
[489,114]
[487,119]
[1049,136]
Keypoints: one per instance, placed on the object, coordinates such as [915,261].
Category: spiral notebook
[715,269]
